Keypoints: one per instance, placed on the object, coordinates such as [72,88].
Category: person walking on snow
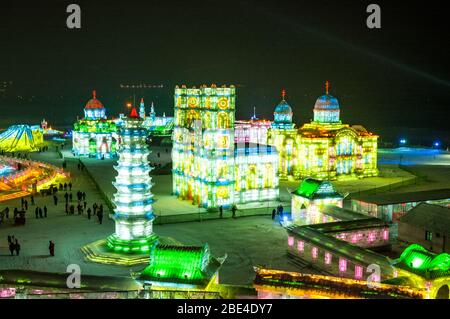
[17,247]
[11,248]
[233,210]
[51,248]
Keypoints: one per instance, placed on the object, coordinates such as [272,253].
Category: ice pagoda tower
[133,214]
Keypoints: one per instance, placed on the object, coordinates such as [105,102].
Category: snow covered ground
[413,156]
[248,241]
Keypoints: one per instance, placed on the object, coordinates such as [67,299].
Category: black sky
[394,77]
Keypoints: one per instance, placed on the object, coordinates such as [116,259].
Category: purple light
[7,292]
[328,257]
[314,252]
[342,265]
[385,234]
[300,246]
[291,241]
[358,272]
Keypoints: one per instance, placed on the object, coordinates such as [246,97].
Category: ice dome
[94,109]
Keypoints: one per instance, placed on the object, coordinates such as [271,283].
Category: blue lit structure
[326,109]
[283,114]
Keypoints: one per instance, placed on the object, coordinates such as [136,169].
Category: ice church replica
[95,135]
[325,148]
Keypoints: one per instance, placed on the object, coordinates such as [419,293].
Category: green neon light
[177,263]
[312,187]
[130,246]
[95,126]
[417,257]
[417,262]
[308,187]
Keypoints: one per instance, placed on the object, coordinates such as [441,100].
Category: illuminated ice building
[251,131]
[328,149]
[157,125]
[133,213]
[324,148]
[310,198]
[283,135]
[21,138]
[180,270]
[95,135]
[209,168]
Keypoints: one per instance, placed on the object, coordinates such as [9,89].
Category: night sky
[385,79]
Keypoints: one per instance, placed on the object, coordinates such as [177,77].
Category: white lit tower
[133,214]
[152,113]
[142,109]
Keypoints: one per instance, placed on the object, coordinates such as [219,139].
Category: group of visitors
[278,211]
[233,211]
[18,155]
[19,215]
[81,195]
[24,203]
[156,165]
[52,190]
[40,213]
[65,186]
[82,206]
[43,149]
[97,211]
[13,244]
[80,165]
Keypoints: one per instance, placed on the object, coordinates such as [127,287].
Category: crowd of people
[82,206]
[16,155]
[14,246]
[73,203]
